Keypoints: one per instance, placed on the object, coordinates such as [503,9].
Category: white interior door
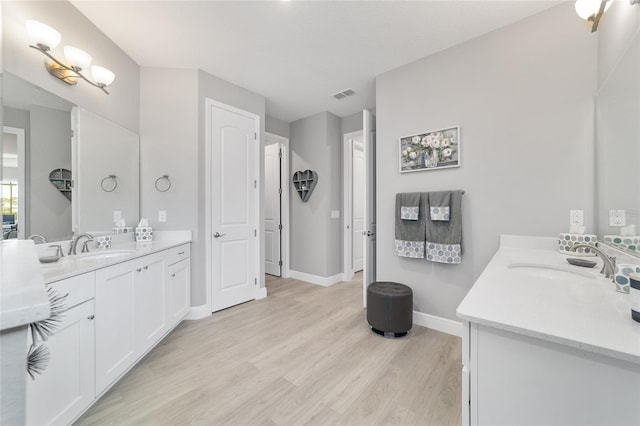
[272,209]
[233,226]
[358,195]
[369,274]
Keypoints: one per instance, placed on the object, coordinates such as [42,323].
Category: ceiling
[298,53]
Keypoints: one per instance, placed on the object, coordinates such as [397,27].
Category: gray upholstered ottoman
[389,308]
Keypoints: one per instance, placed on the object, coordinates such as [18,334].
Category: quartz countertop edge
[67,267]
[23,295]
[583,313]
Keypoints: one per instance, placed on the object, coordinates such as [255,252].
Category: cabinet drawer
[80,288]
[176,254]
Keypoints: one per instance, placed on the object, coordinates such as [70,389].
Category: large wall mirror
[618,151]
[54,159]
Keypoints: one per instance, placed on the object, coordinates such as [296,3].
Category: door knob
[367,233]
[218,235]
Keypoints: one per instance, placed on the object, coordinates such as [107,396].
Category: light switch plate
[117,215]
[162,215]
[576,217]
[617,218]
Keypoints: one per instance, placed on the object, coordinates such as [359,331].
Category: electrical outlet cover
[576,217]
[617,218]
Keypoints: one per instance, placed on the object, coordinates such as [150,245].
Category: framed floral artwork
[433,150]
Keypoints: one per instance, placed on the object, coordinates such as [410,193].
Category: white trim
[259,153]
[197,312]
[347,204]
[437,323]
[286,194]
[316,279]
[261,293]
[22,181]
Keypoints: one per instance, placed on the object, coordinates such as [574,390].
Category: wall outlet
[617,218]
[162,215]
[576,217]
[117,215]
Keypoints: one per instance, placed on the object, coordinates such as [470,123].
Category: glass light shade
[102,75]
[77,57]
[587,8]
[40,33]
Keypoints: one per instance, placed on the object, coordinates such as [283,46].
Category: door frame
[22,176]
[259,159]
[347,203]
[270,139]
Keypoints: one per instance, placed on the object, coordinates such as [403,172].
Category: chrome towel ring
[109,183]
[163,183]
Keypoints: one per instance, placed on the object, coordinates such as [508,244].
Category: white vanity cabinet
[179,283]
[131,299]
[510,378]
[66,387]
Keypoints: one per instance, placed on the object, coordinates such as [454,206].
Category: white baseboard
[261,293]
[315,279]
[198,312]
[437,323]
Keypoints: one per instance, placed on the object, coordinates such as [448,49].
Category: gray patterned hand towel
[439,208]
[410,232]
[444,238]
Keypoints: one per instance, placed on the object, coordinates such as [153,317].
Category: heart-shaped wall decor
[304,183]
[61,179]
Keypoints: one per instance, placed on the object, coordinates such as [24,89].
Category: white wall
[316,238]
[523,96]
[121,106]
[277,127]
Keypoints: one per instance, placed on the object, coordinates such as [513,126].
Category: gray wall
[50,148]
[316,239]
[121,106]
[277,127]
[351,123]
[20,118]
[523,96]
[169,145]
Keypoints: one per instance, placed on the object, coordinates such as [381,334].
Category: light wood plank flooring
[303,355]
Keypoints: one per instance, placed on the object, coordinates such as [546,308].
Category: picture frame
[432,150]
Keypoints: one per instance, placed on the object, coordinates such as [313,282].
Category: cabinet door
[67,385]
[115,342]
[179,290]
[150,302]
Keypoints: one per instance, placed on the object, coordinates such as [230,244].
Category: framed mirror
[618,154]
[55,156]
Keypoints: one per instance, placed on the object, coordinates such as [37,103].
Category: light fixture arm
[45,51]
[595,18]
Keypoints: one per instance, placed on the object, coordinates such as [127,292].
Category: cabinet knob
[139,270]
[90,317]
[146,267]
[181,253]
[173,275]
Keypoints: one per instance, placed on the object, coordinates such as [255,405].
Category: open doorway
[13,183]
[276,206]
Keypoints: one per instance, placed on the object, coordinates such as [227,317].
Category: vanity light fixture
[592,11]
[44,38]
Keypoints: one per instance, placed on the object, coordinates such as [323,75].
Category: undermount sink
[106,255]
[550,272]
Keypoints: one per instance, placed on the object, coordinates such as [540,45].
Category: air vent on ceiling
[344,94]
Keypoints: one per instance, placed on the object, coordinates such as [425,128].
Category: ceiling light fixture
[44,38]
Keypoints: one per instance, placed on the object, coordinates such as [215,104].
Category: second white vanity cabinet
[66,387]
[179,283]
[130,314]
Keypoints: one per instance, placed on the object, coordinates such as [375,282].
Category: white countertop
[583,312]
[70,266]
[23,296]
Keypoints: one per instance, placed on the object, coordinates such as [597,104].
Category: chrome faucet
[609,262]
[42,239]
[74,244]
